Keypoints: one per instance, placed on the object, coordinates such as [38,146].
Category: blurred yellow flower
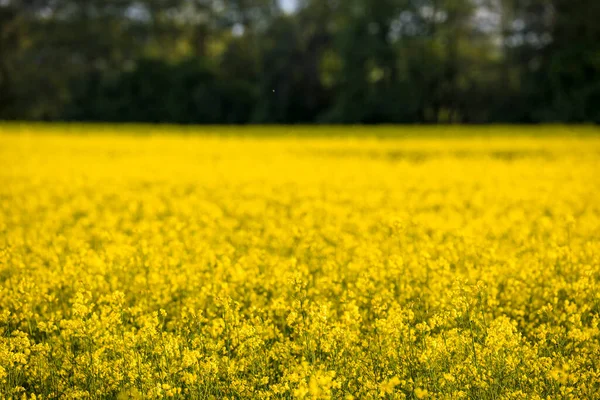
[177,266]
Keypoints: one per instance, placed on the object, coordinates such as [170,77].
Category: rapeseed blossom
[157,267]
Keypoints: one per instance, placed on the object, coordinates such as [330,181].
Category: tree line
[302,61]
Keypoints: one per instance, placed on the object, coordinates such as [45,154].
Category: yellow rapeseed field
[452,265]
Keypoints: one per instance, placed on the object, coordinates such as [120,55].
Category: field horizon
[379,131]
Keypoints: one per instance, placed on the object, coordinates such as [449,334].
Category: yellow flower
[198,266]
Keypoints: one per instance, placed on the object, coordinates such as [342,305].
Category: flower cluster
[150,267]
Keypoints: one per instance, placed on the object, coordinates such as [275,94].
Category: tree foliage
[351,61]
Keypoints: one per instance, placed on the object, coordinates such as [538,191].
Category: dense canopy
[313,61]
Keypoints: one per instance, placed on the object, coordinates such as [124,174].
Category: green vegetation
[351,61]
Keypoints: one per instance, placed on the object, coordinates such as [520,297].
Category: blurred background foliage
[300,61]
